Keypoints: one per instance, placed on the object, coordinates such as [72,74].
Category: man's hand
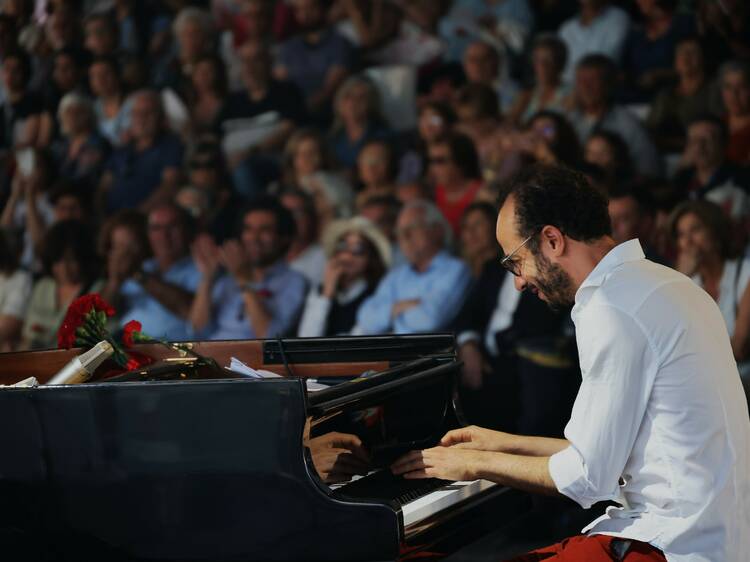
[205,255]
[232,257]
[402,306]
[338,456]
[479,438]
[448,463]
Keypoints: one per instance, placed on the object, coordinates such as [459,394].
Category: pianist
[660,425]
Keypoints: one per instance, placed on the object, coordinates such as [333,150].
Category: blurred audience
[15,289]
[425,293]
[477,237]
[735,93]
[258,295]
[157,291]
[358,255]
[70,268]
[675,106]
[708,254]
[595,109]
[549,56]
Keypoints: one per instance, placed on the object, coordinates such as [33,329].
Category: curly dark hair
[558,196]
[76,238]
[286,228]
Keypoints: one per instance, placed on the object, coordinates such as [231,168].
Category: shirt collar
[620,254]
[436,260]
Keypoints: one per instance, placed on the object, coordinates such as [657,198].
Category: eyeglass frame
[504,261]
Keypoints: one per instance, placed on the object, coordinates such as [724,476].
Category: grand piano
[178,462]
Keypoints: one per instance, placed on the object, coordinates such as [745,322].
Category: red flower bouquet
[85,325]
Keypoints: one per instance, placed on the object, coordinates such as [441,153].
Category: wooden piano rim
[43,364]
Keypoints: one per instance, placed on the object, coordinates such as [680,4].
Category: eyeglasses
[439,160]
[510,264]
[357,250]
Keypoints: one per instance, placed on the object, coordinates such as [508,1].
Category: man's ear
[553,239]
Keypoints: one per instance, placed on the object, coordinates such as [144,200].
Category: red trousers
[595,548]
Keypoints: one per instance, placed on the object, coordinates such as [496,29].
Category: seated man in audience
[282,106]
[599,27]
[259,296]
[425,293]
[707,174]
[144,172]
[633,215]
[595,109]
[159,292]
[317,60]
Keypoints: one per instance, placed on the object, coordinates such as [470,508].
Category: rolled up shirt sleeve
[619,365]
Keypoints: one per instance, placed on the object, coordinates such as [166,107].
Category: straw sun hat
[364,228]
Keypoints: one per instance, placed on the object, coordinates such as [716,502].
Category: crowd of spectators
[228,169]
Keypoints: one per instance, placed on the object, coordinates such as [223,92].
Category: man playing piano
[660,425]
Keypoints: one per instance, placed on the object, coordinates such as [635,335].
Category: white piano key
[440,499]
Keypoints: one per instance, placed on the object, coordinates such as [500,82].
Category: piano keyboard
[419,499]
[443,498]
[384,485]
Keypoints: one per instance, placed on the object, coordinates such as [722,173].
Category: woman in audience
[15,288]
[455,171]
[706,252]
[70,269]
[305,255]
[549,138]
[207,93]
[357,119]
[608,151]
[478,243]
[376,170]
[479,118]
[28,210]
[358,256]
[548,58]
[309,167]
[81,152]
[110,105]
[434,120]
[735,93]
[674,107]
[649,49]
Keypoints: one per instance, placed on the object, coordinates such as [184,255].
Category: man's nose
[519,282]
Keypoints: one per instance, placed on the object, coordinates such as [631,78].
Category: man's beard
[556,285]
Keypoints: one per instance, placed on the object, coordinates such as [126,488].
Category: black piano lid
[358,348]
[193,471]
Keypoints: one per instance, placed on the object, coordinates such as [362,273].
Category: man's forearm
[530,474]
[175,299]
[536,446]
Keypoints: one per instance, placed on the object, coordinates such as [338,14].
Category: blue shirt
[157,321]
[461,26]
[283,292]
[441,289]
[307,64]
[137,174]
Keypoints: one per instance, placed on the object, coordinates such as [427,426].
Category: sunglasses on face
[358,250]
[439,160]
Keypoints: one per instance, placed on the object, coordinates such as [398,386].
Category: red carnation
[132,364]
[131,329]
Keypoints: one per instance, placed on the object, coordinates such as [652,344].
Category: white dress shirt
[660,424]
[605,34]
